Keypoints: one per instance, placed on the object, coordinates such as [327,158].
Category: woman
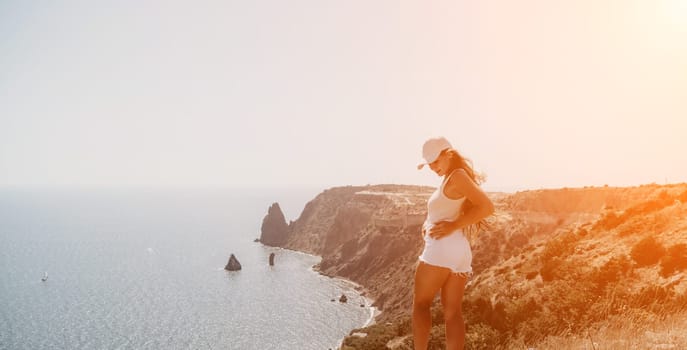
[457,207]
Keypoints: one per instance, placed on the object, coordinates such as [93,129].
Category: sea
[140,268]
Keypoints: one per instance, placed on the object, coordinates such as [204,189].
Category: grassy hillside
[581,268]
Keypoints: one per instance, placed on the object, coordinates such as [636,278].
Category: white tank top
[453,250]
[442,208]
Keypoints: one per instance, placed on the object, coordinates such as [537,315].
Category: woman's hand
[442,229]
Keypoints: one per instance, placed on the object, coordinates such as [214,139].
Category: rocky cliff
[274,229]
[233,264]
[364,233]
[371,235]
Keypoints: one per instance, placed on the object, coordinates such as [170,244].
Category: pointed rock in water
[272,259]
[274,228]
[233,264]
[343,298]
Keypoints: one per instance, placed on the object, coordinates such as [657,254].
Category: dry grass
[637,331]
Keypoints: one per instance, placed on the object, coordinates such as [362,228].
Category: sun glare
[662,24]
[675,13]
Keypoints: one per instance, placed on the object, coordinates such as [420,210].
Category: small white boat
[45,277]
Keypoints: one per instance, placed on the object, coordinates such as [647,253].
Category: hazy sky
[320,93]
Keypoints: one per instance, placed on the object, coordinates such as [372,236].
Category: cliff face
[367,234]
[315,225]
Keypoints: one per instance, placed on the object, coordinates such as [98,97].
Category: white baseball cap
[432,148]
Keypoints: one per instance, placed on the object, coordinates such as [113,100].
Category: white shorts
[451,251]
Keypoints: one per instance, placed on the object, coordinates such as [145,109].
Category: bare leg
[452,298]
[428,281]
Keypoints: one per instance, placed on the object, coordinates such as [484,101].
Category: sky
[288,94]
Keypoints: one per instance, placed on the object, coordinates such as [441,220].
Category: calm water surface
[143,269]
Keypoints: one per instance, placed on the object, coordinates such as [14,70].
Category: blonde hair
[457,161]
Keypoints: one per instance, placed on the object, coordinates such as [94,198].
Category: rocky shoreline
[359,289]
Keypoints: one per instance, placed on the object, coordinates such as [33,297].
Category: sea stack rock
[272,259]
[274,229]
[233,264]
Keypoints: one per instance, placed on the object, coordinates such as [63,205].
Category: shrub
[481,336]
[560,246]
[611,272]
[482,310]
[520,310]
[674,260]
[630,229]
[647,252]
[377,337]
[570,301]
[610,221]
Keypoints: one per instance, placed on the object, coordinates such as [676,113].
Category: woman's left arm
[481,204]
